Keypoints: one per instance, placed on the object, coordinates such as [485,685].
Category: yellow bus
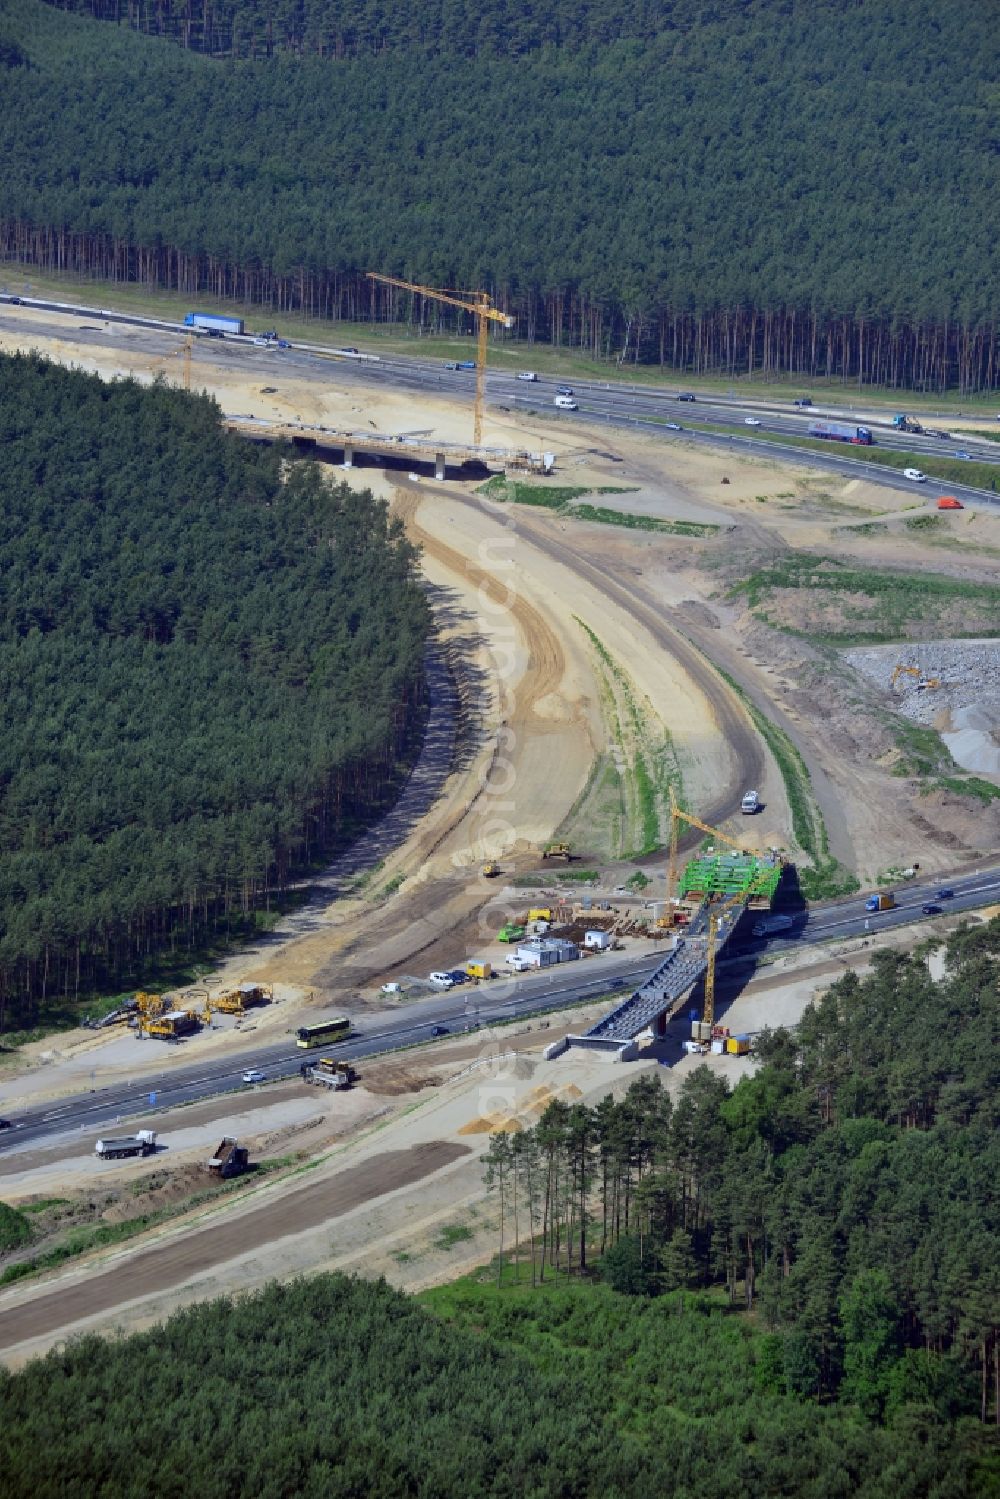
[327,1030]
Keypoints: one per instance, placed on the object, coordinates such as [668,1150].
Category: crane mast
[481,305]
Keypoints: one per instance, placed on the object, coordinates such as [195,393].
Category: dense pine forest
[208,668]
[719,187]
[845,1193]
[790,1290]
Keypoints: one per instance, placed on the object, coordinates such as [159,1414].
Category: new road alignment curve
[459,1011]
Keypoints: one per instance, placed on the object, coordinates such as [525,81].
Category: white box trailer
[597,941]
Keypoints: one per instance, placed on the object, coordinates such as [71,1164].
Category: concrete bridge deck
[418,449]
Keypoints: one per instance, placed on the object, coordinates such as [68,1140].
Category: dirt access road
[154,1269]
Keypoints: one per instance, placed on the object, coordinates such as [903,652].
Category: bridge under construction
[413,449]
[716,890]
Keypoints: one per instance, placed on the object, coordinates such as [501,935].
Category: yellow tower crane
[677,816]
[480,304]
[716,912]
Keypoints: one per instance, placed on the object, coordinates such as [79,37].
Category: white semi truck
[143,1142]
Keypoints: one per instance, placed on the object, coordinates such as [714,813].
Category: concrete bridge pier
[660,1027]
[348,455]
[439,466]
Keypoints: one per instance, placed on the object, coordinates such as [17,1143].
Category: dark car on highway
[802,401]
[945,893]
[685,395]
[930,909]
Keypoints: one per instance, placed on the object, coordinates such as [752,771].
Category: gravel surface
[964,707]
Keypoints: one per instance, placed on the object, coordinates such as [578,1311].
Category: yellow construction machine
[490,871]
[914,671]
[557,851]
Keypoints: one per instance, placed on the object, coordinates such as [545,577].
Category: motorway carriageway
[463,1010]
[631,405]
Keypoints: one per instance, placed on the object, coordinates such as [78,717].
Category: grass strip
[972,471]
[560,498]
[828,878]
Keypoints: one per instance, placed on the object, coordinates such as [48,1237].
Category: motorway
[630,405]
[469,1010]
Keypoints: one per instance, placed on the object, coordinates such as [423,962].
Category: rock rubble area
[965,705]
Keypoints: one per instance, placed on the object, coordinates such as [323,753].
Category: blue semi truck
[214,324]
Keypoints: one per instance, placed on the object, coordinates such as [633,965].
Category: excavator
[914,671]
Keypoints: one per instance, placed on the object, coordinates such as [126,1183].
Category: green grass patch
[923,523]
[828,878]
[560,498]
[975,786]
[923,751]
[452,1234]
[897,598]
[637,881]
[632,522]
[45,1204]
[936,466]
[15,1229]
[579,876]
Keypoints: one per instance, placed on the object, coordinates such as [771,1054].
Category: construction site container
[737,1046]
[597,941]
[544,952]
[701,1030]
[540,913]
[478,968]
[718,1048]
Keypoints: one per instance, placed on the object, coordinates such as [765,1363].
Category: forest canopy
[798,189]
[208,667]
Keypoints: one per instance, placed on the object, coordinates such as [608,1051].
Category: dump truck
[230,1159]
[883,901]
[903,423]
[143,1142]
[750,803]
[174,1024]
[329,1072]
[214,324]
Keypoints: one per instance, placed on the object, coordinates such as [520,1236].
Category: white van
[750,803]
[915,475]
[565,403]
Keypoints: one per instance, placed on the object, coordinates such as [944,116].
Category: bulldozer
[490,870]
[557,851]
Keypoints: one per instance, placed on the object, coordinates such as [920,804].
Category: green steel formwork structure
[732,874]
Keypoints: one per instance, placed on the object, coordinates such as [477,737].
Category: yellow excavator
[914,671]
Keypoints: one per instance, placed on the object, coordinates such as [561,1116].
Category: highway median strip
[975,473]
